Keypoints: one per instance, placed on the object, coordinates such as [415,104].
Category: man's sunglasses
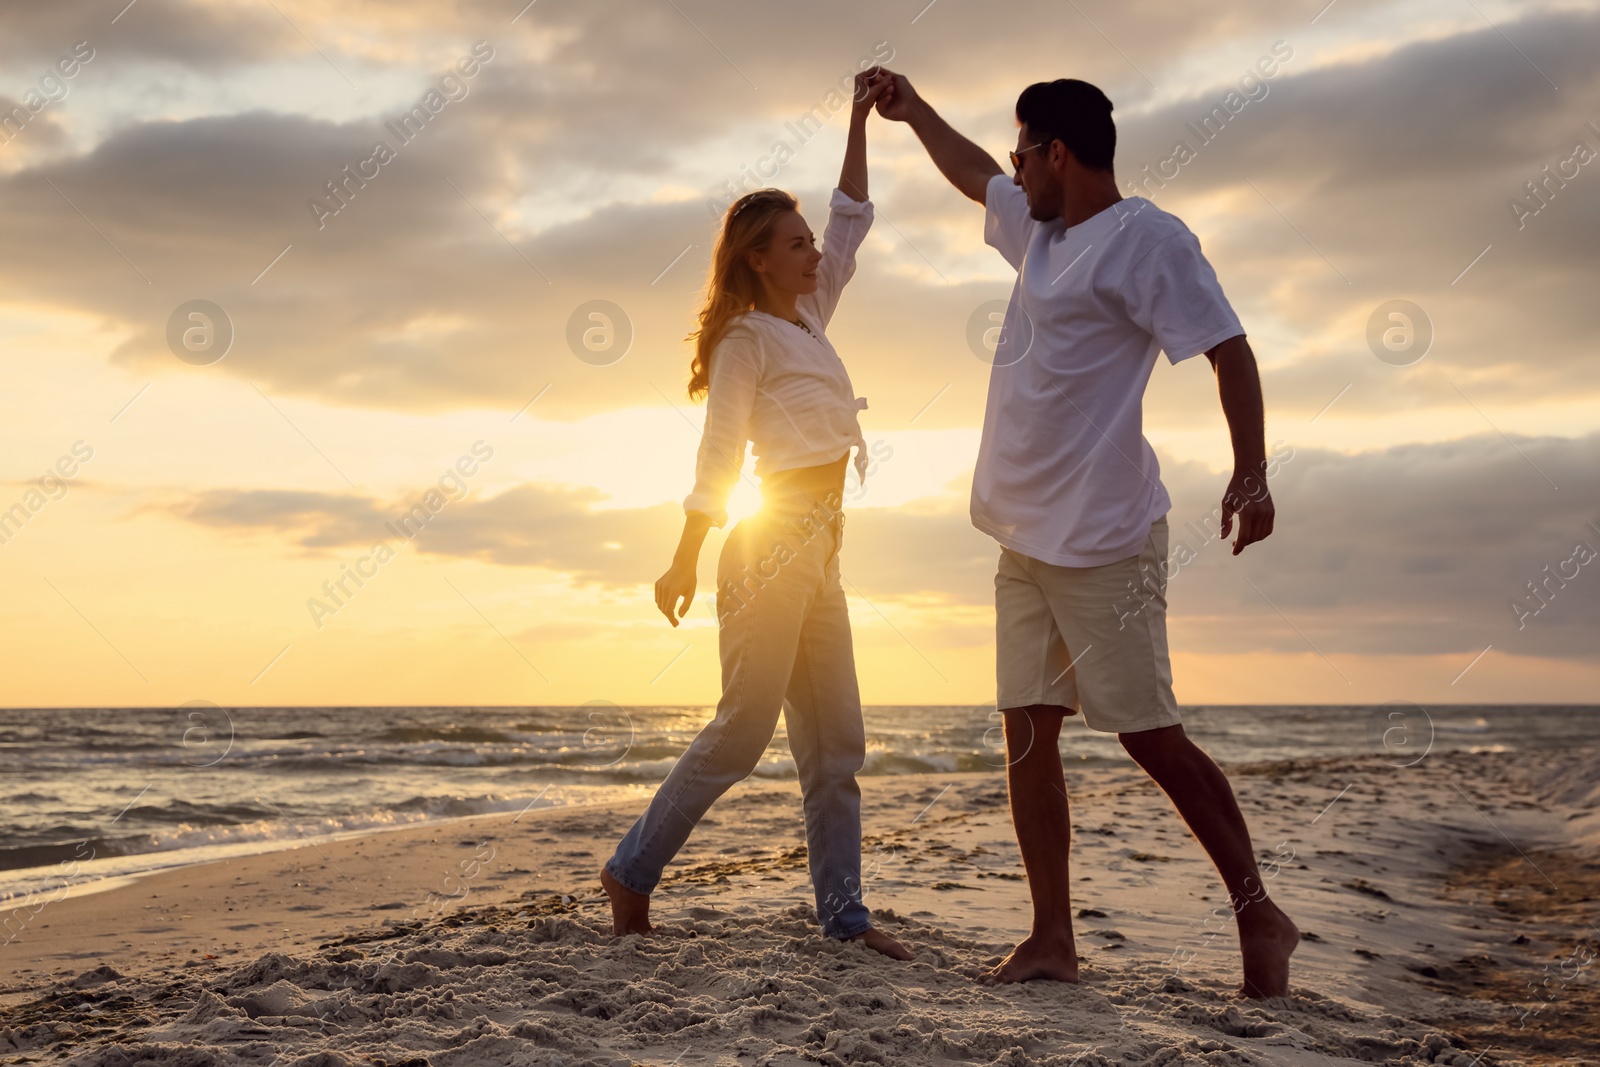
[1016,157]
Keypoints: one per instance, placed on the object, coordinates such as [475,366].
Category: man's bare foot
[1037,957]
[1266,943]
[879,941]
[630,911]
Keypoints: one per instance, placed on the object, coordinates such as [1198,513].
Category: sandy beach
[1446,913]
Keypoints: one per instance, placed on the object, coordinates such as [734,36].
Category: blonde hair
[732,286]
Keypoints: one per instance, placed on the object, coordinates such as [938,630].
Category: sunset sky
[438,318]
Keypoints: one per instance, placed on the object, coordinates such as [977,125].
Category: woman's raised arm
[853,175]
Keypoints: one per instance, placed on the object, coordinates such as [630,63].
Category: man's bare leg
[630,911]
[1201,793]
[1039,812]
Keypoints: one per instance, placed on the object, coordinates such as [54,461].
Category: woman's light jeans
[784,636]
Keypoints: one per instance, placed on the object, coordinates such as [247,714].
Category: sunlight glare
[743,501]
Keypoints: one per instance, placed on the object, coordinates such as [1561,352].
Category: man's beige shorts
[1087,638]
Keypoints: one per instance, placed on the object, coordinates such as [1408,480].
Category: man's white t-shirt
[1064,473]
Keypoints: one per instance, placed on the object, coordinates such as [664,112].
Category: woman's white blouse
[783,390]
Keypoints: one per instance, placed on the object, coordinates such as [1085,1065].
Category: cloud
[208,37]
[1351,184]
[1417,549]
[553,527]
[451,279]
[29,133]
[323,520]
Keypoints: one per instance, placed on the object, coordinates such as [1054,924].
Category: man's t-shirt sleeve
[1173,294]
[1007,225]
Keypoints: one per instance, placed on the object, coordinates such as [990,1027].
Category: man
[1068,485]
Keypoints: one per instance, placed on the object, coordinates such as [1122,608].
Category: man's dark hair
[1073,112]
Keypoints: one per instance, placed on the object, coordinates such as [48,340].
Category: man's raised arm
[968,167]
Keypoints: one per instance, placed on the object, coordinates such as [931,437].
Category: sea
[91,797]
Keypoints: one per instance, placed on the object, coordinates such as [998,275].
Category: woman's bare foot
[879,941]
[1266,943]
[630,911]
[1037,957]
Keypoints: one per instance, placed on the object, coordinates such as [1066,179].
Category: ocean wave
[187,812]
[331,770]
[199,834]
[1477,726]
[468,735]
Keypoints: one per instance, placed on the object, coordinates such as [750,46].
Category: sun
[743,501]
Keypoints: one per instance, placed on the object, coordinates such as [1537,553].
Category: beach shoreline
[497,923]
[187,859]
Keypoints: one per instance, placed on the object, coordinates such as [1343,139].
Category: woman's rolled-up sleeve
[848,223]
[736,367]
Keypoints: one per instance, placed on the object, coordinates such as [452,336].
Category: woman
[772,378]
